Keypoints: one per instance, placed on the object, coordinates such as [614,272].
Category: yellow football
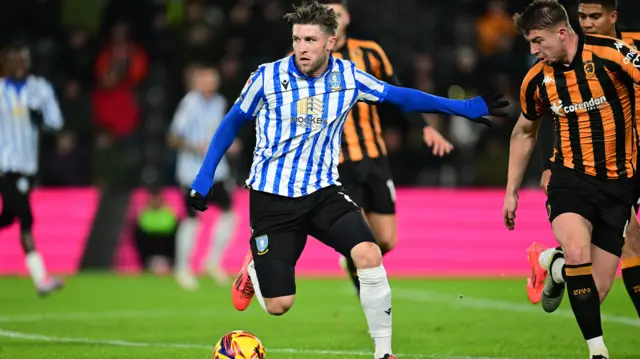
[239,344]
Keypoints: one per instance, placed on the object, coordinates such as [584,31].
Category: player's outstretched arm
[222,140]
[475,109]
[246,108]
[523,142]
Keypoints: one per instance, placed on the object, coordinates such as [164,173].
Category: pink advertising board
[62,223]
[441,233]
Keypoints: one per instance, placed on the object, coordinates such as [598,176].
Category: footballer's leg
[381,215]
[18,196]
[185,240]
[279,234]
[221,233]
[631,261]
[574,205]
[355,186]
[338,223]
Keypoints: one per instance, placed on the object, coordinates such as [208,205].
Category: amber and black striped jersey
[592,105]
[545,144]
[362,134]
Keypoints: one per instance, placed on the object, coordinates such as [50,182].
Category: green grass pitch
[144,317]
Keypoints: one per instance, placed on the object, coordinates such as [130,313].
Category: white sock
[545,258]
[36,268]
[220,237]
[375,297]
[256,286]
[556,270]
[597,347]
[185,238]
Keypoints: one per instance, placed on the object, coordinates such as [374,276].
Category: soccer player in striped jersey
[597,17]
[364,168]
[586,83]
[195,121]
[27,106]
[300,104]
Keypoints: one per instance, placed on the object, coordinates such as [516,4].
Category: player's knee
[366,255]
[576,252]
[280,305]
[387,241]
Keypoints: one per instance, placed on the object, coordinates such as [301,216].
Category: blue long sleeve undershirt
[408,100]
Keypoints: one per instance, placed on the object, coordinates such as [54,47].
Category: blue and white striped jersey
[196,119]
[299,123]
[19,137]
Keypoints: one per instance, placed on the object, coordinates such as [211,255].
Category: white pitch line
[481,303]
[123,343]
[37,317]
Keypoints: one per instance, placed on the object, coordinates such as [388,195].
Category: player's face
[595,19]
[343,18]
[207,81]
[548,44]
[17,66]
[311,47]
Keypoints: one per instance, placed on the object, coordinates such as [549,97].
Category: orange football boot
[535,283]
[242,289]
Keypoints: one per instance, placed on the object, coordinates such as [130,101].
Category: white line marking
[37,317]
[481,303]
[123,343]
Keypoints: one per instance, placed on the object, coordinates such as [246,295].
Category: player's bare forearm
[523,142]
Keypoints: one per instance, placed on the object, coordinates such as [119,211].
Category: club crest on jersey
[589,68]
[262,244]
[335,81]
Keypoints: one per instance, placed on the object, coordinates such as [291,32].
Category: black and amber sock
[631,277]
[584,299]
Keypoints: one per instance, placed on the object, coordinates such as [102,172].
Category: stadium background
[466,297]
[95,172]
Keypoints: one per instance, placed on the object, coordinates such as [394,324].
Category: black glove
[197,201]
[36,118]
[494,104]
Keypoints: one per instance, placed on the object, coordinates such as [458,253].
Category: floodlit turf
[104,316]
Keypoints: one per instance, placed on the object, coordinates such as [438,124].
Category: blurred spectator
[122,60]
[155,233]
[495,29]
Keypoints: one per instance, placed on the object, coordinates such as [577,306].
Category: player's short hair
[314,13]
[610,5]
[541,14]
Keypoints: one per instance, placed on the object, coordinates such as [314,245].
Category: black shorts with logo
[280,226]
[220,196]
[606,204]
[369,183]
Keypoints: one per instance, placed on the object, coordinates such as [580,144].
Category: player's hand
[509,210]
[494,105]
[439,145]
[36,117]
[544,180]
[197,201]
